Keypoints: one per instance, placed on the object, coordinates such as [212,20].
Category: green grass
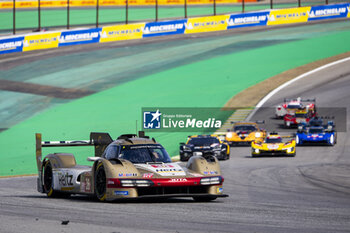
[209,83]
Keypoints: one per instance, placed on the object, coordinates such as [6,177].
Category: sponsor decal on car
[148,175]
[123,193]
[219,190]
[127,174]
[65,179]
[178,180]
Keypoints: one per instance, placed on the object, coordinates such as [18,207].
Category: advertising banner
[84,36]
[248,19]
[11,45]
[285,16]
[122,32]
[207,24]
[164,28]
[328,12]
[41,41]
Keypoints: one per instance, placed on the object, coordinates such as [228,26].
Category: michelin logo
[79,37]
[247,20]
[163,28]
[152,120]
[327,12]
[10,45]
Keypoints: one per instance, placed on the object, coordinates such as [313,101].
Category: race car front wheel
[100,182]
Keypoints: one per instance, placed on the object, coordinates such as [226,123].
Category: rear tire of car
[48,179]
[48,182]
[100,183]
[204,199]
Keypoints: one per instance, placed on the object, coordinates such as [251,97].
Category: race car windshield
[144,154]
[300,115]
[244,128]
[293,106]
[203,141]
[273,140]
[315,130]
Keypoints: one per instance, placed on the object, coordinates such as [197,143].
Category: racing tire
[182,158]
[100,183]
[291,155]
[48,182]
[204,199]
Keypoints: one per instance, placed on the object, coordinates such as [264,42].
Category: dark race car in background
[206,145]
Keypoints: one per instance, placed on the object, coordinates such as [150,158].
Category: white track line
[273,92]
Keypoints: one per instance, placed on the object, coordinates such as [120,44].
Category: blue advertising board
[84,36]
[248,19]
[11,45]
[164,28]
[328,12]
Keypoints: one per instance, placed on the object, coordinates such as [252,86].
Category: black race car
[205,144]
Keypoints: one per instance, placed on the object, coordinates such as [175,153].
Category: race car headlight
[256,150]
[211,180]
[229,135]
[136,183]
[257,134]
[289,150]
[187,148]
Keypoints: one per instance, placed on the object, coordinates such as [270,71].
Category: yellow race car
[243,133]
[273,145]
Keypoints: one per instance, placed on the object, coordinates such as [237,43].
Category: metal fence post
[14,17]
[214,6]
[185,8]
[243,6]
[326,2]
[271,4]
[67,14]
[156,10]
[299,3]
[97,8]
[39,16]
[126,11]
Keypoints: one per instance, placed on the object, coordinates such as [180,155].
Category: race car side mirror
[182,144]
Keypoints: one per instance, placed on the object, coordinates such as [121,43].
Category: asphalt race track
[307,193]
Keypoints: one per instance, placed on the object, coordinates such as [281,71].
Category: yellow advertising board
[293,15]
[207,24]
[79,3]
[41,41]
[122,32]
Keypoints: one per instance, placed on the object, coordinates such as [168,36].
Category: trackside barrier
[47,40]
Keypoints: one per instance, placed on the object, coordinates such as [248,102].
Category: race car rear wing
[99,140]
[300,99]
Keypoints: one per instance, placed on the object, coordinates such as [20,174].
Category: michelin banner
[85,36]
[329,12]
[122,32]
[41,41]
[164,28]
[11,45]
[248,19]
[48,40]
